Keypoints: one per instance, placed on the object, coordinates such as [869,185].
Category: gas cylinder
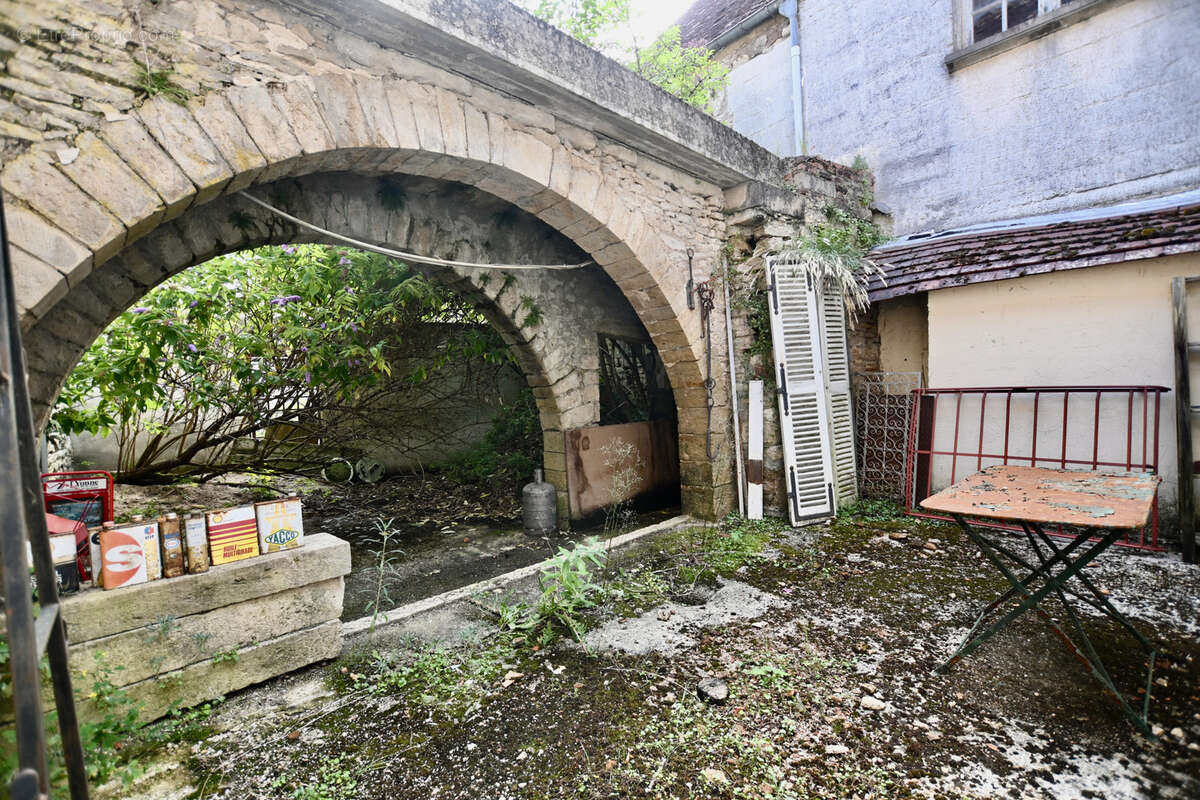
[539,506]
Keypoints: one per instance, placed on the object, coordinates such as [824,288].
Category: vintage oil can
[195,539]
[150,547]
[170,539]
[280,524]
[62,552]
[123,554]
[232,534]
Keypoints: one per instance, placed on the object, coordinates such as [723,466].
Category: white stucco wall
[1104,325]
[1097,112]
[757,103]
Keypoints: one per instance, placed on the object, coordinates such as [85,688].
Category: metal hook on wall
[691,284]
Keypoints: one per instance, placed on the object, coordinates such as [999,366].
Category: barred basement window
[990,18]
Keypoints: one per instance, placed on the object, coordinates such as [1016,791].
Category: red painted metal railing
[954,432]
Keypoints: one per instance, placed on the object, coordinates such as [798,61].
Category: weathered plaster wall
[757,102]
[1100,111]
[903,334]
[1101,326]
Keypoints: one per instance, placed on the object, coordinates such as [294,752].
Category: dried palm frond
[846,273]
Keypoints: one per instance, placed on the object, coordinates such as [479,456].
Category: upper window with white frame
[990,18]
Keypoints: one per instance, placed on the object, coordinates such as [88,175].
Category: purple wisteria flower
[283,301]
[193,304]
[349,290]
[343,261]
[308,377]
[353,327]
[139,310]
[192,347]
[289,249]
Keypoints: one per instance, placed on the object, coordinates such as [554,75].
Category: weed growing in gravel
[385,530]
[681,560]
[875,511]
[756,745]
[568,588]
[335,779]
[637,589]
[433,676]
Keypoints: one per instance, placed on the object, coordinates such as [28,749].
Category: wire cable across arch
[413,257]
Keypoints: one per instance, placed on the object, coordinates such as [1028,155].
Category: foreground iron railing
[954,432]
[22,521]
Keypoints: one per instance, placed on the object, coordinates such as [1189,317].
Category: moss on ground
[868,606]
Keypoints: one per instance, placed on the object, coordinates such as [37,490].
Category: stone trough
[182,641]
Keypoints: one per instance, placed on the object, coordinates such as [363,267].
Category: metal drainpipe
[791,10]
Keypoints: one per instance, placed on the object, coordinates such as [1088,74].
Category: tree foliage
[689,73]
[586,20]
[278,346]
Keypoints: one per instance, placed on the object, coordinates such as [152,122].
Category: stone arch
[416,217]
[134,175]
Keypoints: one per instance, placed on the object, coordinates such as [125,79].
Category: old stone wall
[267,95]
[138,124]
[760,225]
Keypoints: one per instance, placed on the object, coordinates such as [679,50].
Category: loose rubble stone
[872,703]
[714,776]
[713,690]
[836,749]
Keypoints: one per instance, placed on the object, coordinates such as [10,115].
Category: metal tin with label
[123,555]
[195,537]
[171,540]
[232,534]
[152,550]
[280,524]
[62,552]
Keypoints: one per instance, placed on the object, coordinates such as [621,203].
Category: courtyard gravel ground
[826,638]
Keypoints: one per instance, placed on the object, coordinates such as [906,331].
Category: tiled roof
[708,19]
[1043,244]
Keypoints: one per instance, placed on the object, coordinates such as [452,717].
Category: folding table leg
[1056,583]
[1092,659]
[1032,599]
[1101,603]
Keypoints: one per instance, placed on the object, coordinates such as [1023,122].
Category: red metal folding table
[1099,507]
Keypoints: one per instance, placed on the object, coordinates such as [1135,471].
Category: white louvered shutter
[803,409]
[837,393]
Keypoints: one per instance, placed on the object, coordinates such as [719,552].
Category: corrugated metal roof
[1045,243]
[706,20]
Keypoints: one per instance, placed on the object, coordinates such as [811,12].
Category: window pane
[1021,11]
[979,5]
[987,23]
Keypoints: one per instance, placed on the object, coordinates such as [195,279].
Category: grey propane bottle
[539,506]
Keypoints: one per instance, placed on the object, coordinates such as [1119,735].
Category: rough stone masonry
[130,126]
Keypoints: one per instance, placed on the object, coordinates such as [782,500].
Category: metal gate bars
[957,431]
[22,520]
